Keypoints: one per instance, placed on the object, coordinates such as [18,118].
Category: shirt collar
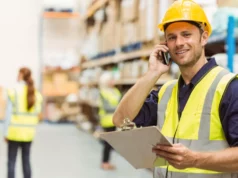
[202,72]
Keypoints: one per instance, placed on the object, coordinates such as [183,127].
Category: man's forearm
[221,161]
[133,100]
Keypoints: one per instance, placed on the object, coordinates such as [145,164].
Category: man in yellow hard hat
[199,112]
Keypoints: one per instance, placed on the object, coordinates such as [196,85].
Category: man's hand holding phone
[159,62]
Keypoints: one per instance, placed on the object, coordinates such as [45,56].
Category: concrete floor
[63,151]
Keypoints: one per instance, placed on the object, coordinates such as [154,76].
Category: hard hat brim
[161,25]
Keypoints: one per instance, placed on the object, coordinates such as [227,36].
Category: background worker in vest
[23,110]
[109,99]
[199,112]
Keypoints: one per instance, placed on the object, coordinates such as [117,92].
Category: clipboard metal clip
[127,125]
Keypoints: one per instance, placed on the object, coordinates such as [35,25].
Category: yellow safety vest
[23,122]
[109,99]
[199,128]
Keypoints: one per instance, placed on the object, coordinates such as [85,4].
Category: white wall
[19,39]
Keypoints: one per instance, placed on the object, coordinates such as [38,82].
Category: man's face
[185,43]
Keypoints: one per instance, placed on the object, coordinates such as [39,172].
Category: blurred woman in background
[23,111]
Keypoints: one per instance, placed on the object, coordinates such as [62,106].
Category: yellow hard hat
[186,10]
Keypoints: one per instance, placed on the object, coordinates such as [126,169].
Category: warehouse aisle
[63,151]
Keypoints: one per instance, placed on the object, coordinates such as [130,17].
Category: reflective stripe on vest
[23,125]
[203,136]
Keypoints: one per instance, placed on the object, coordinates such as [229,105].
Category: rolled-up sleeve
[148,113]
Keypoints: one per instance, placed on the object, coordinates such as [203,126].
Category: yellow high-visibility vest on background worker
[199,128]
[23,122]
[109,99]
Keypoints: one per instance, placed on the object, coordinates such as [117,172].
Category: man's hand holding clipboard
[136,144]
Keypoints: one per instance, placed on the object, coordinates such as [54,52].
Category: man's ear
[204,38]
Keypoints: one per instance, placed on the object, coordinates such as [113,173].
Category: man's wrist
[153,75]
[201,159]
[196,156]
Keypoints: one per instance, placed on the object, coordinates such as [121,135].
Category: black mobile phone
[166,57]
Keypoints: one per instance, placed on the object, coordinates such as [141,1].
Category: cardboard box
[108,37]
[227,3]
[129,33]
[142,20]
[53,112]
[103,40]
[151,13]
[129,10]
[126,70]
[109,31]
[72,87]
[118,35]
[70,109]
[148,19]
[59,78]
[60,89]
[112,11]
[100,43]
[47,88]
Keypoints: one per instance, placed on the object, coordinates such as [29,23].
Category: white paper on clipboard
[136,145]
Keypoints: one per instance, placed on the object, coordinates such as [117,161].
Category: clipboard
[136,145]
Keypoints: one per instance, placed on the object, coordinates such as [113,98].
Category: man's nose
[179,41]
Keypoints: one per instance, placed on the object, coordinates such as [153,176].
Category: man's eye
[171,38]
[187,34]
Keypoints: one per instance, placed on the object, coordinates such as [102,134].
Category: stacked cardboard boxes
[130,21]
[109,35]
[58,85]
